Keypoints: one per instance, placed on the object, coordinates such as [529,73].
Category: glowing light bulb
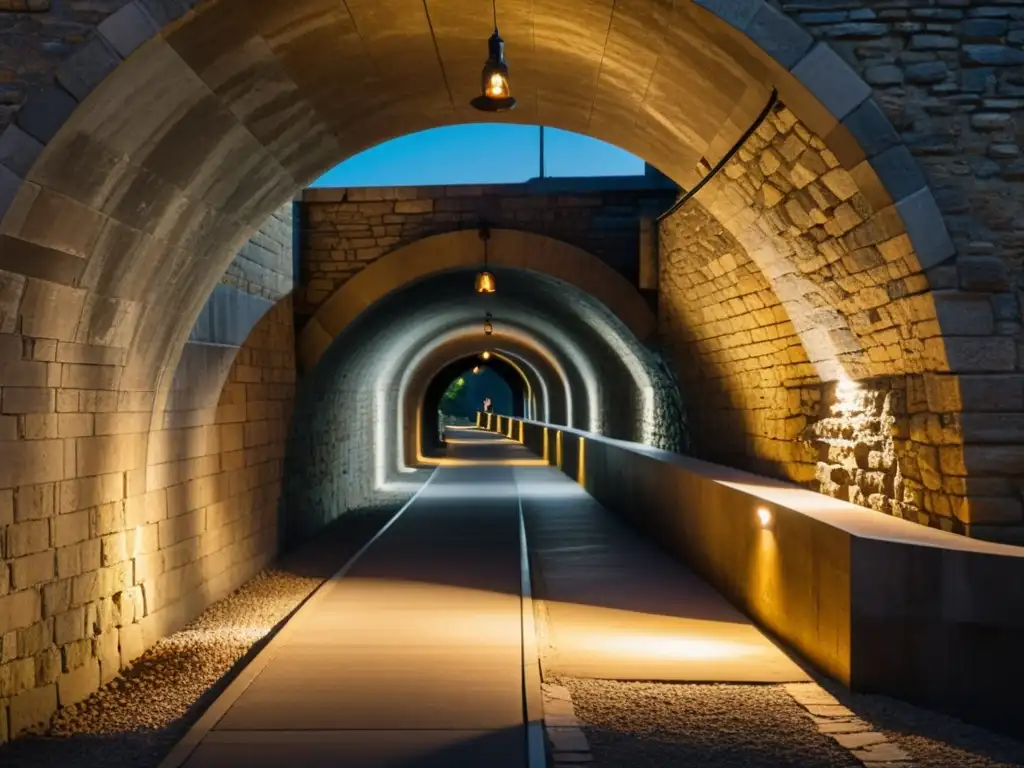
[496,86]
[764,517]
[486,355]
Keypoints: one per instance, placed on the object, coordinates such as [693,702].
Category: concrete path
[617,607]
[413,657]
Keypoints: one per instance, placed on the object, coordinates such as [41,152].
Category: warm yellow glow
[476,369]
[764,516]
[478,418]
[486,355]
[447,462]
[581,464]
[497,88]
[547,453]
[485,283]
[558,449]
[669,647]
[846,394]
[520,432]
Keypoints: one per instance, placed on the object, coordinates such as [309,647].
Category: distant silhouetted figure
[487,405]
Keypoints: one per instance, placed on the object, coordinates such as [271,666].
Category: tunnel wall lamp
[495,96]
[485,355]
[488,325]
[764,517]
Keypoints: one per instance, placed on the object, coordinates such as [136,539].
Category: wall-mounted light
[846,394]
[476,370]
[495,96]
[485,355]
[488,326]
[764,517]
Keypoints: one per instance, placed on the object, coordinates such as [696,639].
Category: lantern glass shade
[485,282]
[495,93]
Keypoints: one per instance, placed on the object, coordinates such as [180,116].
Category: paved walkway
[414,656]
[617,607]
[411,658]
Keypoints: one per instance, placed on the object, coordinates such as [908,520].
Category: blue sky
[480,153]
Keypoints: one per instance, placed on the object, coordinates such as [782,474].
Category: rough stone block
[164,12]
[18,150]
[28,537]
[778,35]
[979,355]
[45,112]
[870,126]
[131,643]
[32,708]
[79,684]
[70,528]
[31,570]
[87,67]
[69,626]
[28,400]
[737,13]
[34,502]
[899,171]
[831,80]
[926,227]
[964,314]
[128,28]
[6,508]
[106,650]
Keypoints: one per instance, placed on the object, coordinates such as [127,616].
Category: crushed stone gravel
[134,720]
[657,725]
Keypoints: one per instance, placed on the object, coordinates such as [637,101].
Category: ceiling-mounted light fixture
[485,355]
[495,93]
[485,280]
[488,326]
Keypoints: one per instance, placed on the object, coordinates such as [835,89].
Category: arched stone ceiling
[506,249]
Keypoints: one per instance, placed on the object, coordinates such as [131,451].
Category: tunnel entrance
[457,393]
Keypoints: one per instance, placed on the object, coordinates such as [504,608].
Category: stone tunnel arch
[463,249]
[128,185]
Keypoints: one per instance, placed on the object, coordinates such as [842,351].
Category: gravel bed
[931,738]
[135,720]
[648,725]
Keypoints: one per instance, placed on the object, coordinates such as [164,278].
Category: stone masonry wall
[857,307]
[96,564]
[950,77]
[345,230]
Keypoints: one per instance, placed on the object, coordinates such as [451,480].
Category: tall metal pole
[542,152]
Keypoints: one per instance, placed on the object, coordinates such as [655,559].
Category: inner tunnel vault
[359,413]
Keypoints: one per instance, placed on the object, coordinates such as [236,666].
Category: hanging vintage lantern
[495,93]
[488,326]
[485,282]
